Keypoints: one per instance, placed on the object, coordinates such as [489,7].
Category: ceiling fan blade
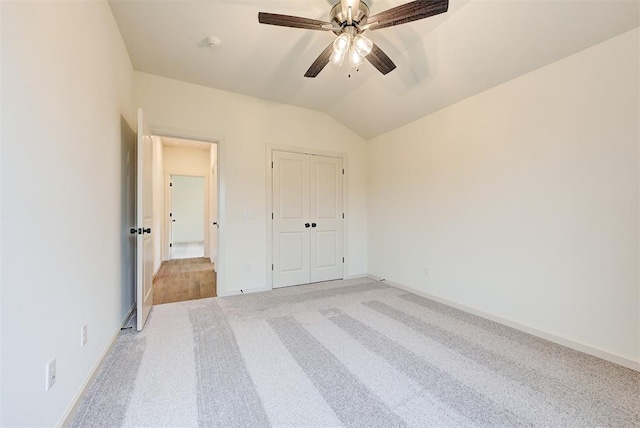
[320,62]
[380,60]
[408,12]
[293,21]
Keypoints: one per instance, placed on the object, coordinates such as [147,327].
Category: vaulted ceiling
[476,45]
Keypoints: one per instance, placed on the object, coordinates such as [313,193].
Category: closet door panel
[291,238]
[326,218]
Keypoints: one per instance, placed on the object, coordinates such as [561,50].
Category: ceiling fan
[348,20]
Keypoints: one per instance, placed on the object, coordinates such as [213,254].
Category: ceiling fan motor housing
[340,18]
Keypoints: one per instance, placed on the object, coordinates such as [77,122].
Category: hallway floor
[184,279]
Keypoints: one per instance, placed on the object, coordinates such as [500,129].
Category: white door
[187,217]
[213,204]
[326,218]
[144,213]
[291,223]
[307,219]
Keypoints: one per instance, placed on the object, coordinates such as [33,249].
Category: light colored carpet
[348,353]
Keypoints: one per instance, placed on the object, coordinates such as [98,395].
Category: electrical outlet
[427,271]
[247,267]
[51,375]
[83,335]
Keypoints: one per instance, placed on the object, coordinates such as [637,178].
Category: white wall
[158,201]
[187,207]
[245,126]
[186,160]
[523,201]
[68,79]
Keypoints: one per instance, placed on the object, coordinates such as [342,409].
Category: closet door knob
[313,225]
[307,225]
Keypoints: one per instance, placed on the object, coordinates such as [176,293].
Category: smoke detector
[213,41]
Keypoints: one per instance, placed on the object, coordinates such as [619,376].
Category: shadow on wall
[127,214]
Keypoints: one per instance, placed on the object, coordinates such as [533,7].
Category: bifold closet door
[307,219]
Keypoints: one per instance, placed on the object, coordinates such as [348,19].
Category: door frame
[168,200]
[221,162]
[270,148]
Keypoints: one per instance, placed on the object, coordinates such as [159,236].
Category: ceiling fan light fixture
[342,43]
[355,59]
[337,57]
[348,19]
[362,45]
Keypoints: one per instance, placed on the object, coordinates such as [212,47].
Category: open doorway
[185,187]
[186,217]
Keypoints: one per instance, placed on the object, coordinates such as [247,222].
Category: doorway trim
[168,201]
[221,169]
[270,148]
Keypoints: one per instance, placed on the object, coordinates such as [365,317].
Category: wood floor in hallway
[184,279]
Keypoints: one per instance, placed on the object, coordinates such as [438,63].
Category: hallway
[184,279]
[187,250]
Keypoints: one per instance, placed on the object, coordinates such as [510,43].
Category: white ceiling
[478,44]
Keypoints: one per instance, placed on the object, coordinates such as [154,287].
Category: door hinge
[170,245]
[342,171]
[342,215]
[272,266]
[170,184]
[343,260]
[271,164]
[170,214]
[271,216]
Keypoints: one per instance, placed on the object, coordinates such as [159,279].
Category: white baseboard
[262,289]
[238,292]
[156,270]
[355,277]
[569,343]
[65,420]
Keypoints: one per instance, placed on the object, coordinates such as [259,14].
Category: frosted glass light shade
[355,59]
[362,45]
[342,43]
[337,57]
